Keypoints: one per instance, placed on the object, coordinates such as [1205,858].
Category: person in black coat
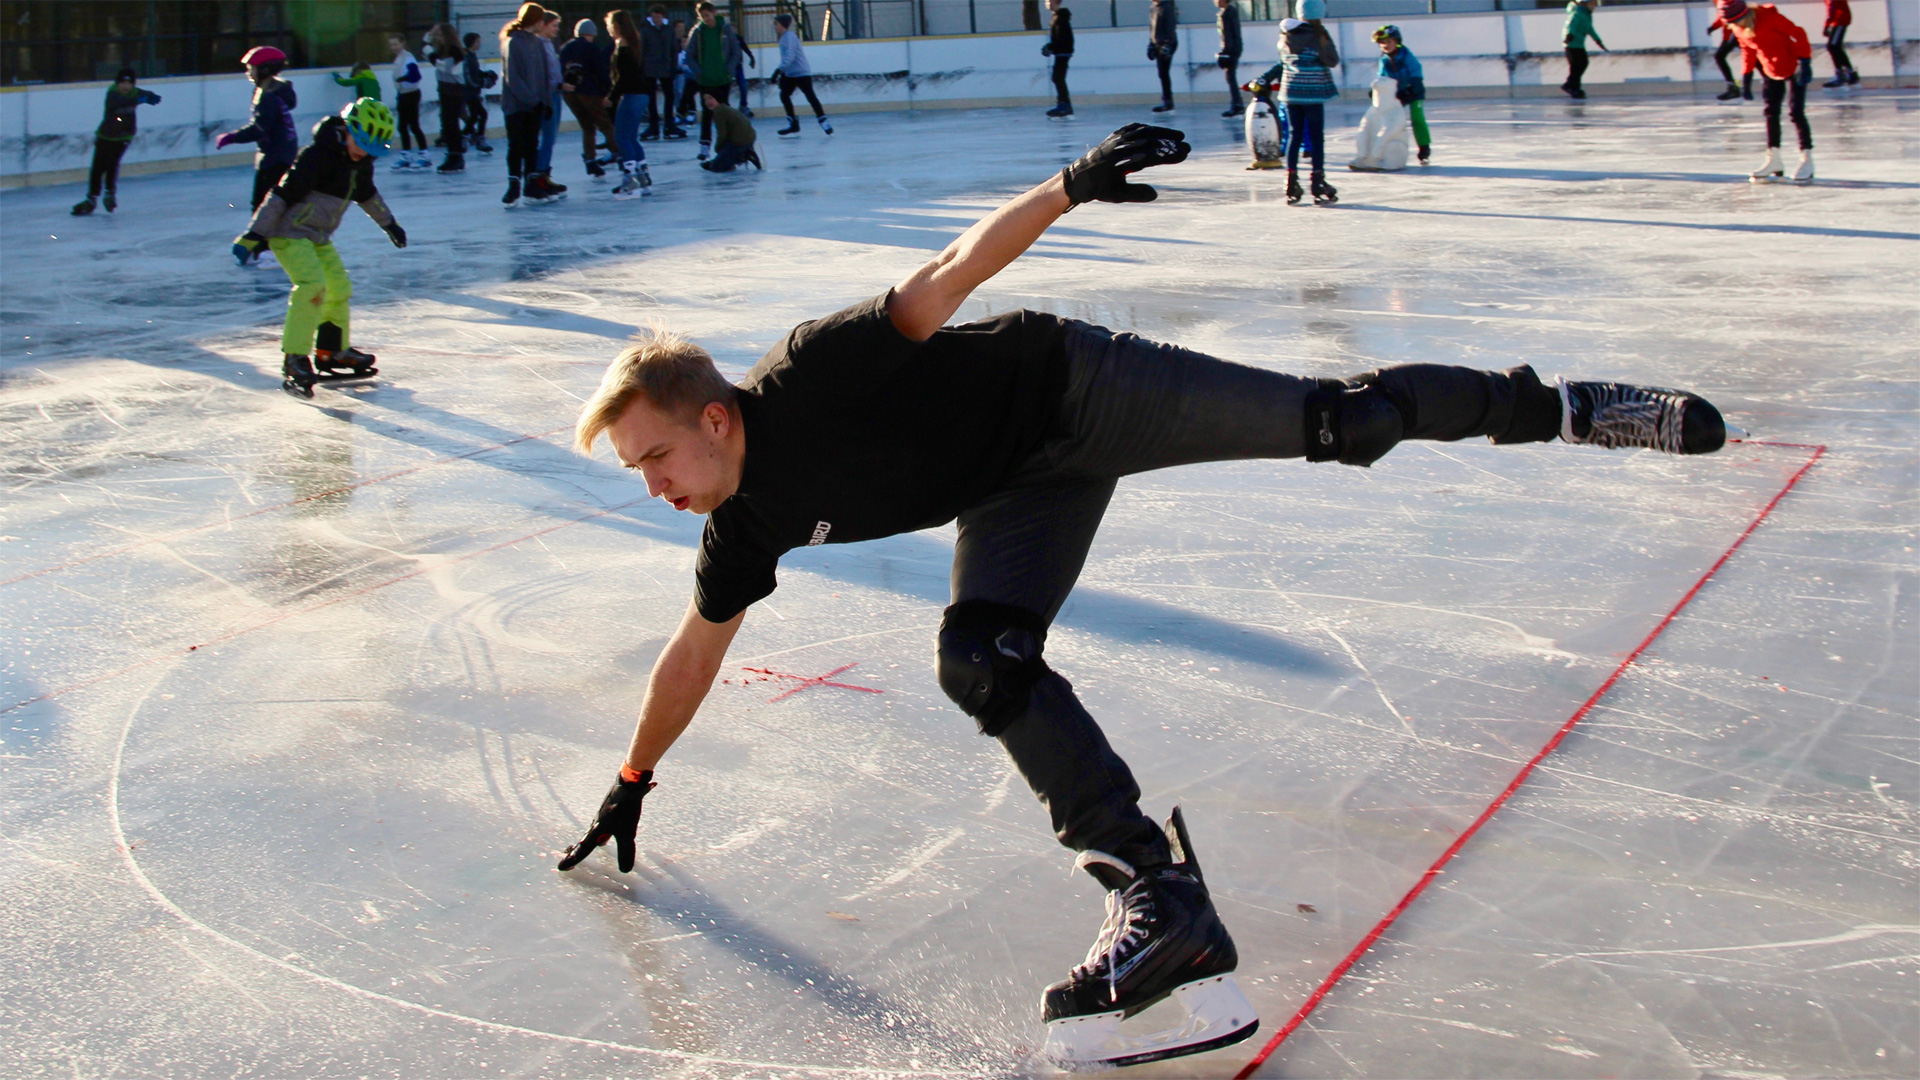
[1059,46]
[1163,40]
[659,58]
[1230,47]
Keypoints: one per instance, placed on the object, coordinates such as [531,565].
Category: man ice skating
[1059,47]
[795,73]
[1779,48]
[1231,46]
[877,420]
[297,221]
[1163,40]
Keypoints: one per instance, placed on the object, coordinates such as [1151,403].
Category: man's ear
[717,418]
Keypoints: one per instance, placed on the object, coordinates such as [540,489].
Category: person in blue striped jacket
[1307,61]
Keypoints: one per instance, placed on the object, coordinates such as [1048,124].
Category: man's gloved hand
[247,246]
[396,234]
[1047,49]
[225,139]
[618,820]
[1101,174]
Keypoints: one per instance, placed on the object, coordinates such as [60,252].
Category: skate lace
[1636,416]
[1130,914]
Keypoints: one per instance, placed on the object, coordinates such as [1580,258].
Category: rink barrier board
[46,132]
[1379,929]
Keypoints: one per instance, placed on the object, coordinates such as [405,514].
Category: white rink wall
[46,132]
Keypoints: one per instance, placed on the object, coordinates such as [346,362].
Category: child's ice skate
[1802,173]
[1161,939]
[629,187]
[1294,191]
[1770,169]
[1612,415]
[1324,194]
[83,207]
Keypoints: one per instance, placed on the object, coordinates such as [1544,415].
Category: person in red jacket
[1839,17]
[1778,47]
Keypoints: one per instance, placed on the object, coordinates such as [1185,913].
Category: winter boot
[1294,190]
[1324,194]
[1770,169]
[83,207]
[1803,172]
[1612,415]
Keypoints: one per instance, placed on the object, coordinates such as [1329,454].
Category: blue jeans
[626,126]
[549,134]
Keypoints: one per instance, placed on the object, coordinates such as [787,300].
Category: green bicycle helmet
[371,124]
[1387,31]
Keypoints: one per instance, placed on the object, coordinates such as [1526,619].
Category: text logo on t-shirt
[820,531]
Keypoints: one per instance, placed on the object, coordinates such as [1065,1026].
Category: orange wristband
[628,774]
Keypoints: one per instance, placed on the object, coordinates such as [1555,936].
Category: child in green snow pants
[321,291]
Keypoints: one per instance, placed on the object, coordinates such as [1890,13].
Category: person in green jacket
[711,52]
[1578,29]
[364,82]
[110,139]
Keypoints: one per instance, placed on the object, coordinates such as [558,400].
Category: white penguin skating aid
[1383,132]
[1264,139]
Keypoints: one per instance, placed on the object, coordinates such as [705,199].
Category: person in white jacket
[407,81]
[794,73]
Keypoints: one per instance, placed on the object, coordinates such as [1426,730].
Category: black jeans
[1233,82]
[406,118]
[1133,405]
[1060,80]
[804,84]
[1164,61]
[1727,48]
[523,142]
[719,93]
[453,113]
[1795,94]
[106,166]
[1576,67]
[476,115]
[663,88]
[1837,50]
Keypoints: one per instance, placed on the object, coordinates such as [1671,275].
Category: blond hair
[676,377]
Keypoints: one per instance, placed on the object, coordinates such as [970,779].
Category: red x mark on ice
[808,683]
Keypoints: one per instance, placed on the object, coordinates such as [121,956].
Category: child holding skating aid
[1398,63]
[297,221]
[110,140]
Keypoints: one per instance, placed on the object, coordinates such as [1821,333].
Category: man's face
[695,467]
[1053,5]
[707,17]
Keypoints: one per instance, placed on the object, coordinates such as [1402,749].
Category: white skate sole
[1217,1014]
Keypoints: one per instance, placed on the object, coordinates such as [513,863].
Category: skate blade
[1216,1014]
[346,376]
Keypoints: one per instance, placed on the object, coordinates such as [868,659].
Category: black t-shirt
[855,432]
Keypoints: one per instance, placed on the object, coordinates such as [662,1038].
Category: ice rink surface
[300,700]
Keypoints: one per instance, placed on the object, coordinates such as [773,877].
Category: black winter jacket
[310,200]
[1060,34]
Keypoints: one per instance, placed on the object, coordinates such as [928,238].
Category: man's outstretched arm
[930,295]
[679,683]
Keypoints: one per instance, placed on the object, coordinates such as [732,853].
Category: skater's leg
[1417,114]
[1016,558]
[265,176]
[1164,63]
[1797,111]
[1727,46]
[1296,134]
[304,307]
[453,99]
[1316,115]
[1133,405]
[1837,51]
[1061,98]
[787,86]
[335,300]
[1773,91]
[1232,71]
[813,99]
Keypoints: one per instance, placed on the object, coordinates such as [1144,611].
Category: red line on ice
[1340,970]
[329,493]
[807,683]
[177,652]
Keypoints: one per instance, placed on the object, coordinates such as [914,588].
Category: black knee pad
[1353,425]
[990,660]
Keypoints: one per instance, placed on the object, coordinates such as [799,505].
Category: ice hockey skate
[1614,415]
[1162,941]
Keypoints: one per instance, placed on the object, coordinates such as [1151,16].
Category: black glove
[1101,174]
[618,820]
[396,234]
[1047,49]
[1225,60]
[1404,95]
[1153,51]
